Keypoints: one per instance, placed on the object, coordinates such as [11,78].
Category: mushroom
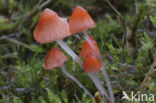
[51,28]
[79,21]
[55,58]
[92,65]
[87,49]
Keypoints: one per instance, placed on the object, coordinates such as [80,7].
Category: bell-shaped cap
[55,58]
[51,27]
[87,49]
[80,20]
[92,64]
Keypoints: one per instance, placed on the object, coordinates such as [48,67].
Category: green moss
[23,78]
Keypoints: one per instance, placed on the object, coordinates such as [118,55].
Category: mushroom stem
[95,78]
[108,84]
[70,52]
[76,81]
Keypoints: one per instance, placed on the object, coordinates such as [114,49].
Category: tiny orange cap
[80,20]
[92,64]
[51,27]
[87,49]
[55,58]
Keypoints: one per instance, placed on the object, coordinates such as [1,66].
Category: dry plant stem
[116,11]
[9,55]
[76,81]
[151,71]
[70,52]
[17,42]
[105,74]
[44,3]
[108,84]
[96,80]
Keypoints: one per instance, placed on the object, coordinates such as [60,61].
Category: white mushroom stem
[96,80]
[105,74]
[76,81]
[108,84]
[70,52]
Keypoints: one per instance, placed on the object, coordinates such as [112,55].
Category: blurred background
[126,35]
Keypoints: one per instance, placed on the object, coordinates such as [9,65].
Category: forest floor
[125,33]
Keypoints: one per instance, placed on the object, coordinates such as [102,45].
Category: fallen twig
[151,71]
[44,3]
[116,11]
[9,55]
[10,35]
[18,42]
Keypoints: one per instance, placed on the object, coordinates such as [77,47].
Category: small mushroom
[81,21]
[87,49]
[55,58]
[51,28]
[92,65]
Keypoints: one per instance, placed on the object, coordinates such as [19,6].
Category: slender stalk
[108,84]
[75,80]
[95,78]
[70,52]
[116,11]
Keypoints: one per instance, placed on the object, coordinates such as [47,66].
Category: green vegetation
[127,41]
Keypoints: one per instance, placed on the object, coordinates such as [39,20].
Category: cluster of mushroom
[52,27]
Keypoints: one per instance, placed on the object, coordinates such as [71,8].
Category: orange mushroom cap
[55,58]
[80,20]
[87,49]
[92,64]
[51,27]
